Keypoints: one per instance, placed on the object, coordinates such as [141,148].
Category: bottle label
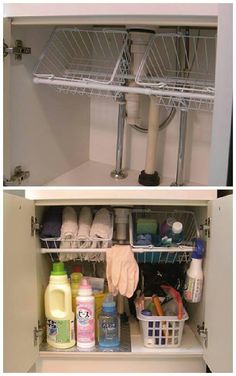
[193,289]
[85,322]
[60,331]
[110,328]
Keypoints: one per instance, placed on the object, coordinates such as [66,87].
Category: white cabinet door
[218,354]
[20,293]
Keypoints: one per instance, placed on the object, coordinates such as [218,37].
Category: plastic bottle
[58,309]
[109,324]
[85,315]
[177,232]
[194,278]
[74,282]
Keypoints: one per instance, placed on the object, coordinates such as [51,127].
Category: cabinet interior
[66,139]
[98,269]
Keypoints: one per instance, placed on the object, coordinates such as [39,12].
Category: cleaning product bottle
[74,282]
[109,324]
[194,279]
[85,315]
[177,232]
[58,309]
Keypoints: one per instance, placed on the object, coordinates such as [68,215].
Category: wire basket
[157,252]
[75,55]
[181,64]
[161,331]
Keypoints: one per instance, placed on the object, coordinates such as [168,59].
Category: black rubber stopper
[149,179]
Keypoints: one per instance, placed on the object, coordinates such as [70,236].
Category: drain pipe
[149,176]
[181,150]
[118,173]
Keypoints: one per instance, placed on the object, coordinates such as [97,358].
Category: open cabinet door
[218,352]
[20,290]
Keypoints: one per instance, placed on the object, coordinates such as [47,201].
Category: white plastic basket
[161,331]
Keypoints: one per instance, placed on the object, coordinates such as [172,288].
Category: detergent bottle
[109,324]
[194,278]
[75,278]
[85,315]
[58,309]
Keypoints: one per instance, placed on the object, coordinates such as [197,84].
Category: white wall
[49,132]
[103,127]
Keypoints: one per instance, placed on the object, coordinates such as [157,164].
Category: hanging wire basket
[85,56]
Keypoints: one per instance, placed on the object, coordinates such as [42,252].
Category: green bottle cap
[58,268]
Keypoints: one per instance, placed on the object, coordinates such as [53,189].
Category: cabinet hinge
[37,333]
[206,227]
[203,333]
[17,50]
[18,177]
[35,226]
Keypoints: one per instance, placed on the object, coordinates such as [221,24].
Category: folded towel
[51,226]
[85,222]
[101,226]
[69,226]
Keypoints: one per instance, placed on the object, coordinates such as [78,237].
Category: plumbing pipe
[149,176]
[118,173]
[121,221]
[181,150]
[126,89]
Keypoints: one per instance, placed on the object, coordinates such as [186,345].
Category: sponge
[146,226]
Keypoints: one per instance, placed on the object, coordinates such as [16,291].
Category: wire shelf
[161,253]
[77,55]
[182,64]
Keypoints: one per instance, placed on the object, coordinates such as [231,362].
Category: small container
[177,233]
[109,324]
[74,283]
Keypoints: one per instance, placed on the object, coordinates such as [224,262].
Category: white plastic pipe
[152,137]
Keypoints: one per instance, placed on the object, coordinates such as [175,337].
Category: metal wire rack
[160,253]
[181,64]
[75,55]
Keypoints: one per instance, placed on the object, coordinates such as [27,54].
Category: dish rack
[178,253]
[161,331]
[177,69]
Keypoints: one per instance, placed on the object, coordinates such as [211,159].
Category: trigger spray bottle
[194,278]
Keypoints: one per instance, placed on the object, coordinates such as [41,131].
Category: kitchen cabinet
[65,139]
[26,272]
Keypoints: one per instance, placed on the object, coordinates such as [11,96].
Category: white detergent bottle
[85,315]
[58,309]
[194,279]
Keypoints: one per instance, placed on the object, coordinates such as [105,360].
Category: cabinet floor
[93,173]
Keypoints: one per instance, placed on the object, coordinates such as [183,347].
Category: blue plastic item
[109,324]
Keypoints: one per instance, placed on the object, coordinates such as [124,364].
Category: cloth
[69,231]
[51,226]
[122,270]
[84,226]
[101,227]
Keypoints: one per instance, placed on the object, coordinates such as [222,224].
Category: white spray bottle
[194,278]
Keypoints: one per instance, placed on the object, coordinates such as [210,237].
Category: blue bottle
[109,324]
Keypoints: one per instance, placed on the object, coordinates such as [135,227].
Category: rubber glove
[119,253]
[109,262]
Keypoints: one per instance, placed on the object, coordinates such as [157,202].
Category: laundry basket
[161,331]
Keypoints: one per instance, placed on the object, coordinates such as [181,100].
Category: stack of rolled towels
[76,230]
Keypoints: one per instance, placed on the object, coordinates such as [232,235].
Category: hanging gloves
[122,270]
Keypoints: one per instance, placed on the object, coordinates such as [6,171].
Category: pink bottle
[85,315]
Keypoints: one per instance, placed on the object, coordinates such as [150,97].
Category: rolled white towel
[85,222]
[101,226]
[69,226]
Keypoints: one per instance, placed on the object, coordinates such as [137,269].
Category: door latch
[203,333]
[17,50]
[206,227]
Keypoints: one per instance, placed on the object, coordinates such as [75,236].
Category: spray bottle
[194,279]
